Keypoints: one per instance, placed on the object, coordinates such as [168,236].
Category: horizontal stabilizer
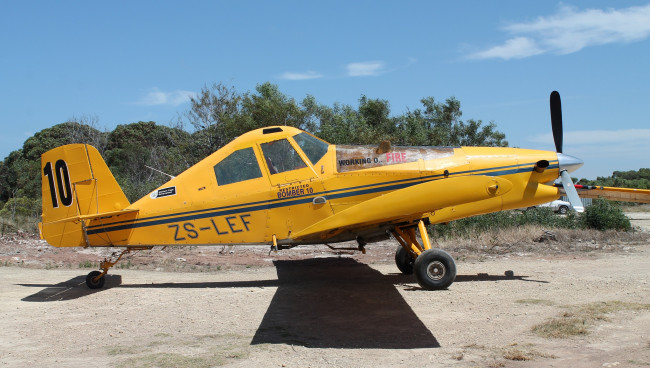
[411,201]
[96,216]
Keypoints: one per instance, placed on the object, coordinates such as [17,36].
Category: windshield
[280,156]
[313,147]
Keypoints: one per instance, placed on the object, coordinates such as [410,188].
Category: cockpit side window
[238,166]
[280,156]
[313,147]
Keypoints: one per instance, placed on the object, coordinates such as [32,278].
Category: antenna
[156,170]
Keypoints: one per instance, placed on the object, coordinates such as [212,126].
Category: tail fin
[77,186]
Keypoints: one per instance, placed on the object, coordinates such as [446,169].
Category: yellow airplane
[284,187]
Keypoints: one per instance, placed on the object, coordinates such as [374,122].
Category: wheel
[435,269]
[95,284]
[404,261]
[563,210]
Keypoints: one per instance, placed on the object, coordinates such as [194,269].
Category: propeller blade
[556,120]
[571,191]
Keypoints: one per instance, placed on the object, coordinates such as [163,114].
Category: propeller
[566,162]
[556,120]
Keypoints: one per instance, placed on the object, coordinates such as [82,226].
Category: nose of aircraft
[569,163]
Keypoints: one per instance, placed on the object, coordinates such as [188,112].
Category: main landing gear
[434,269]
[96,279]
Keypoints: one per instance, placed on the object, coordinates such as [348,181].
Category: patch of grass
[197,351]
[523,353]
[535,301]
[635,207]
[561,327]
[596,311]
[524,239]
[123,350]
[458,356]
[86,264]
[172,360]
[495,364]
[517,354]
[578,319]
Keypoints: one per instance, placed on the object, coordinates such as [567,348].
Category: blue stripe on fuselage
[302,199]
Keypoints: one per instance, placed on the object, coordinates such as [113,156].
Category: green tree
[20,171]
[211,112]
[439,124]
[628,179]
[219,114]
[269,107]
[343,124]
[133,147]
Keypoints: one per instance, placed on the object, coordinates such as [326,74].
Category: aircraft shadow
[339,303]
[205,285]
[67,290]
[486,277]
[76,287]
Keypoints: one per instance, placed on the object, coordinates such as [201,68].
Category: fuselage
[276,182]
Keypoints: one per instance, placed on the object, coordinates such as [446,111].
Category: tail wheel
[435,269]
[404,261]
[93,281]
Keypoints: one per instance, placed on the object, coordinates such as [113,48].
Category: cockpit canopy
[279,156]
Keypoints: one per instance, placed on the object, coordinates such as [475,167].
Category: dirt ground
[315,307]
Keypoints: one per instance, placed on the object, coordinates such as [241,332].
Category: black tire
[435,269]
[563,210]
[95,284]
[404,261]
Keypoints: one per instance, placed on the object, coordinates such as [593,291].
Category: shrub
[602,215]
[20,207]
[541,216]
[24,213]
[605,215]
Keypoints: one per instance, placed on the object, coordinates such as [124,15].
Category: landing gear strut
[434,269]
[96,280]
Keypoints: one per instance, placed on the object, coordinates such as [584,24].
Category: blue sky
[122,62]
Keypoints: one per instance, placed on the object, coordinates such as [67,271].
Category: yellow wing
[408,203]
[615,194]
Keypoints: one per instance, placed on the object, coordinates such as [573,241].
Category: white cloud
[157,97]
[571,30]
[300,76]
[364,69]
[516,48]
